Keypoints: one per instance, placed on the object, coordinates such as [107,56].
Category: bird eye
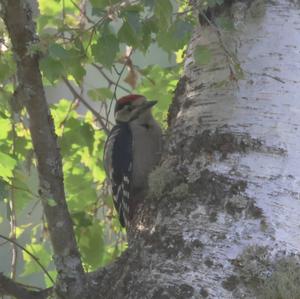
[129,108]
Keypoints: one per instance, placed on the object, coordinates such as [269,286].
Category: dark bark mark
[228,143]
[204,293]
[224,194]
[209,15]
[230,283]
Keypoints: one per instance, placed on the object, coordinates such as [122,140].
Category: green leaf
[103,3]
[176,37]
[7,165]
[47,280]
[127,35]
[70,59]
[60,110]
[131,31]
[56,51]
[133,19]
[26,186]
[202,55]
[149,27]
[92,246]
[40,252]
[51,68]
[79,189]
[106,49]
[21,228]
[7,66]
[159,84]
[5,126]
[49,7]
[76,134]
[76,70]
[163,11]
[100,94]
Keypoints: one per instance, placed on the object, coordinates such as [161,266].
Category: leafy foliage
[73,38]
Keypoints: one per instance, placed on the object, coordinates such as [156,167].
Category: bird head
[133,107]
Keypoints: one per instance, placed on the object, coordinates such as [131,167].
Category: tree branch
[86,104]
[110,81]
[19,291]
[17,16]
[114,97]
[29,253]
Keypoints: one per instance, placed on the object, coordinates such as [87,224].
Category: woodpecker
[131,151]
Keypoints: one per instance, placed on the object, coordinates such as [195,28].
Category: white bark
[228,189]
[261,113]
[265,108]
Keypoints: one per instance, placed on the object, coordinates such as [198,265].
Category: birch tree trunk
[223,207]
[225,201]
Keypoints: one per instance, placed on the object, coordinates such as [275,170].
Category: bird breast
[147,147]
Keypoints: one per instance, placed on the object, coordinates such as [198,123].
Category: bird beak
[148,105]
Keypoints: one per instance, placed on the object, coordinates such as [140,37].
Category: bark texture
[17,16]
[225,201]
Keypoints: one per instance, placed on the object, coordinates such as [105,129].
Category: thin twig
[12,204]
[110,81]
[114,97]
[230,57]
[33,207]
[22,189]
[13,216]
[68,113]
[87,105]
[82,12]
[94,28]
[113,10]
[30,254]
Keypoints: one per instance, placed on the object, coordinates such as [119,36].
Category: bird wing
[118,167]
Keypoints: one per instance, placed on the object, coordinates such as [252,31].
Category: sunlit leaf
[5,127]
[41,253]
[158,84]
[92,245]
[7,165]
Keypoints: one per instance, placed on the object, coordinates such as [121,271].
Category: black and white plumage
[119,146]
[131,152]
